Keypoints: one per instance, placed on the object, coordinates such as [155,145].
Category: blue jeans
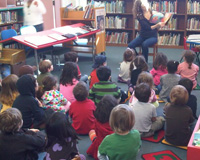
[39,27]
[145,44]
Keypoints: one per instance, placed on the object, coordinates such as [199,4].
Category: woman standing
[148,31]
[33,11]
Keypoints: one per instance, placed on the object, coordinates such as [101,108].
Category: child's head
[27,85]
[142,92]
[179,95]
[104,108]
[187,83]
[172,66]
[140,63]
[145,77]
[99,61]
[160,61]
[122,119]
[70,72]
[71,57]
[129,55]
[103,73]
[45,66]
[9,88]
[26,69]
[48,83]
[58,127]
[10,121]
[189,57]
[80,91]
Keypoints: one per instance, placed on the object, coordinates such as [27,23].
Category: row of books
[116,37]
[16,27]
[171,25]
[169,39]
[115,22]
[114,6]
[89,12]
[8,17]
[193,7]
[164,6]
[193,24]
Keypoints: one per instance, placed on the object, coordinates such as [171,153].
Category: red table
[21,39]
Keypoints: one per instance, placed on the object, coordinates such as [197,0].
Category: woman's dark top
[146,31]
[22,145]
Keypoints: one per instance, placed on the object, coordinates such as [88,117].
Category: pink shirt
[191,74]
[157,74]
[67,90]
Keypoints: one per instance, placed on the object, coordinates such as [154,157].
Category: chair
[6,34]
[24,30]
[155,51]
[196,50]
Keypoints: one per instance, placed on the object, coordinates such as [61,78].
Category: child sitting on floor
[45,67]
[50,97]
[68,80]
[159,69]
[62,139]
[102,127]
[188,69]
[168,81]
[145,77]
[178,117]
[8,92]
[125,142]
[124,74]
[98,61]
[18,144]
[192,99]
[146,120]
[137,66]
[104,86]
[81,110]
[73,57]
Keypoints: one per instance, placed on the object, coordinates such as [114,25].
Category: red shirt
[102,130]
[82,116]
[94,79]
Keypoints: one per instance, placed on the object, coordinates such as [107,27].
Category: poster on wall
[100,19]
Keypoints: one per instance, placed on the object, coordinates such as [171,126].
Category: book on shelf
[164,6]
[169,39]
[193,7]
[159,17]
[116,37]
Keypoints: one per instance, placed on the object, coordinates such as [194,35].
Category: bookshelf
[11,17]
[73,17]
[185,21]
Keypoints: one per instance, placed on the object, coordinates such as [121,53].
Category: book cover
[159,17]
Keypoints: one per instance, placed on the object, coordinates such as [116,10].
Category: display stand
[71,17]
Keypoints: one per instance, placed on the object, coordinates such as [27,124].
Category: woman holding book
[148,31]
[33,11]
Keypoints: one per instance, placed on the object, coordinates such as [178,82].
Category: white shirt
[33,14]
[124,71]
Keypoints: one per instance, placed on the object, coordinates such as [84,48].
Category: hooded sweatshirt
[32,113]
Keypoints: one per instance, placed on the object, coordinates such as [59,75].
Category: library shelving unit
[11,16]
[73,17]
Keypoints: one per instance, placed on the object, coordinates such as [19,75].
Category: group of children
[67,109]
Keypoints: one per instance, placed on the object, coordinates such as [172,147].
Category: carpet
[156,138]
[181,147]
[161,155]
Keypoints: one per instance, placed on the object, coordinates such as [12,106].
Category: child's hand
[34,130]
[77,157]
[40,104]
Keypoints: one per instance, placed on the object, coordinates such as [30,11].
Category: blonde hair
[10,120]
[122,118]
[145,77]
[179,95]
[9,90]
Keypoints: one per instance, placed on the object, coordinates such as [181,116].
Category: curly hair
[137,10]
[70,71]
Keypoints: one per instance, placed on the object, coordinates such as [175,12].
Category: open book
[159,17]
